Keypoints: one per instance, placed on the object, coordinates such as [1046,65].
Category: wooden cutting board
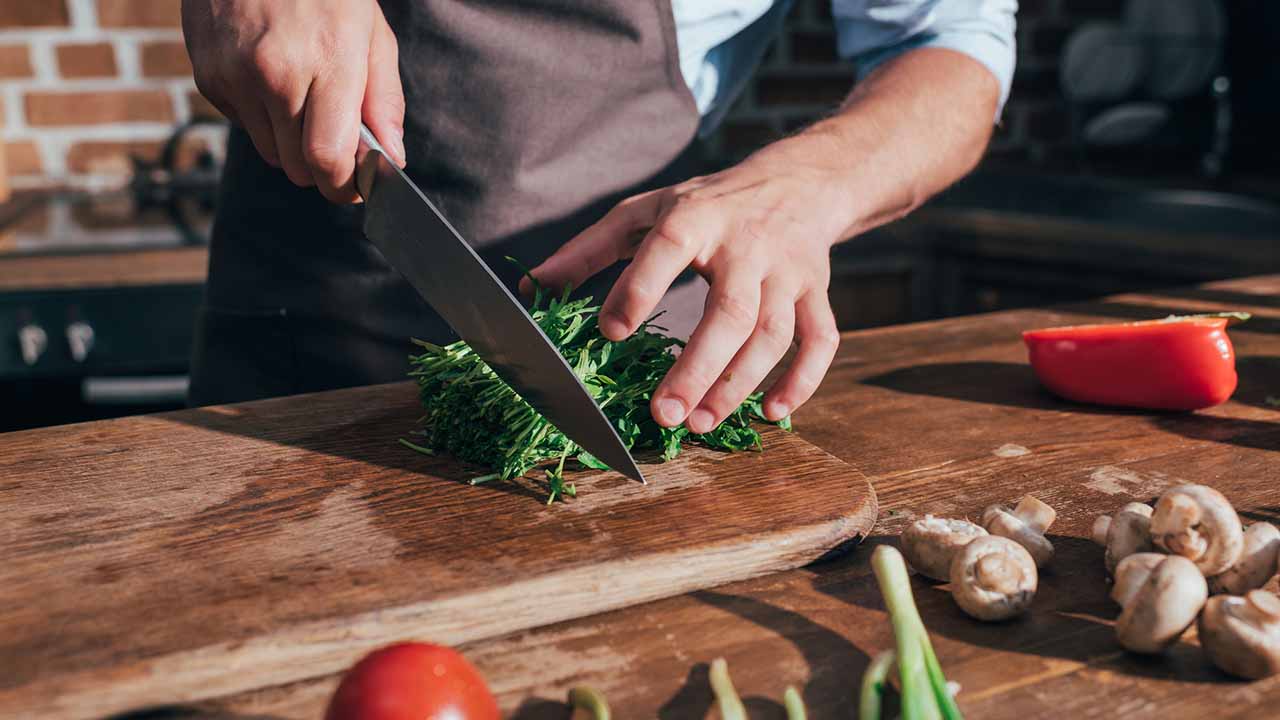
[188,555]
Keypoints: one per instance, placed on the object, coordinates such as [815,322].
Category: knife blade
[417,240]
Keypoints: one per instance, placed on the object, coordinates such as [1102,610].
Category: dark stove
[100,287]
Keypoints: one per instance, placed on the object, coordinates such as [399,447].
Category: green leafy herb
[924,691]
[473,415]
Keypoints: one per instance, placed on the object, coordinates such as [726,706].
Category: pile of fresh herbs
[473,415]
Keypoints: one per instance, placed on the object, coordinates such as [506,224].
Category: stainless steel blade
[419,242]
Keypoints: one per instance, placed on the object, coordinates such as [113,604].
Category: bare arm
[761,232]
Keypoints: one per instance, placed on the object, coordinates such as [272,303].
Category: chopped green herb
[473,415]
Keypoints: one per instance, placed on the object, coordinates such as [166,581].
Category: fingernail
[776,410]
[397,143]
[614,327]
[701,421]
[671,412]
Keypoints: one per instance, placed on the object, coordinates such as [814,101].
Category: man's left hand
[761,234]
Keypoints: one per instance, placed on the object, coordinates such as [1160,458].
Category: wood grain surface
[173,557]
[945,418]
[131,268]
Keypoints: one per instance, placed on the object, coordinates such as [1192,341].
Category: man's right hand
[299,76]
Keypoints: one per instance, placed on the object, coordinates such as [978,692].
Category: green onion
[471,414]
[731,707]
[794,704]
[589,699]
[924,689]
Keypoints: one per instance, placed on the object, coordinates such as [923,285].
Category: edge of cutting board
[210,667]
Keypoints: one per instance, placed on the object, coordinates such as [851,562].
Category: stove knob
[33,340]
[79,340]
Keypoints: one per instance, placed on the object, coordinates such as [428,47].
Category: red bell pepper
[1179,363]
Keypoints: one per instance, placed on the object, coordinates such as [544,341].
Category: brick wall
[801,78]
[86,83]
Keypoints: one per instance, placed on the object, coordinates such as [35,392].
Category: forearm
[915,125]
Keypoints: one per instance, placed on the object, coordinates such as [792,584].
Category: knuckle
[777,329]
[324,155]
[735,309]
[672,234]
[271,68]
[825,338]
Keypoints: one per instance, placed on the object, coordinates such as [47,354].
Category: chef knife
[417,240]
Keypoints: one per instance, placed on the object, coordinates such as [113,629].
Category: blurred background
[1139,150]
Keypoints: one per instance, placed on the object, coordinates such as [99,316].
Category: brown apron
[525,122]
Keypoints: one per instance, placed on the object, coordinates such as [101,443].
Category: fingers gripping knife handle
[366,160]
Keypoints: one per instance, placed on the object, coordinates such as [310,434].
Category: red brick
[86,60]
[22,158]
[92,156]
[94,108]
[139,13]
[201,107]
[165,59]
[810,90]
[34,13]
[814,48]
[15,61]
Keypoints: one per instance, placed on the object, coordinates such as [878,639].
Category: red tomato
[1177,364]
[412,681]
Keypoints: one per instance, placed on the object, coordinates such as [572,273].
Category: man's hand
[299,75]
[761,233]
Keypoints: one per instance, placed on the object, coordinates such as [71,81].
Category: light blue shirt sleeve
[873,31]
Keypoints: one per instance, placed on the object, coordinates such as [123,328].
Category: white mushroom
[1257,563]
[1160,596]
[1198,523]
[931,542]
[1025,525]
[993,578]
[1241,635]
[1123,534]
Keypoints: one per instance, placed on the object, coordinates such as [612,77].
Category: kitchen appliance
[99,288]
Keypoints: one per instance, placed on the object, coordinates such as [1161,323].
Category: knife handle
[367,162]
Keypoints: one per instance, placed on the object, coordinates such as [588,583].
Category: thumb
[383,108]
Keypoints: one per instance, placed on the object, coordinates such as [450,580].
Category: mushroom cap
[1161,600]
[1241,635]
[999,521]
[993,578]
[1257,563]
[1198,523]
[1128,532]
[931,542]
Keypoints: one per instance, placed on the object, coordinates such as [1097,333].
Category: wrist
[835,187]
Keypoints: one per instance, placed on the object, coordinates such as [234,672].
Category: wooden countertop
[123,268]
[945,418]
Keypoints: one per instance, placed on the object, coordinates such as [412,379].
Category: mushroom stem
[1025,525]
[998,573]
[1035,513]
[1100,528]
[1198,523]
[993,578]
